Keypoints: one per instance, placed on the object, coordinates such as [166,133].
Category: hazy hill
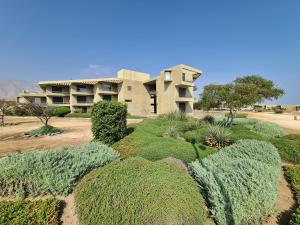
[10,88]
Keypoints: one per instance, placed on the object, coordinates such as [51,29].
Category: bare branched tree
[4,105]
[42,111]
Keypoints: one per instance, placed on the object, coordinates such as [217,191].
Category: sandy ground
[285,120]
[76,131]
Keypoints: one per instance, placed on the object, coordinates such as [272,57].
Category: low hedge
[267,129]
[30,212]
[293,175]
[109,121]
[79,115]
[240,182]
[136,191]
[61,111]
[51,172]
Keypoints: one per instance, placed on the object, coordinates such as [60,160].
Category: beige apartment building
[171,91]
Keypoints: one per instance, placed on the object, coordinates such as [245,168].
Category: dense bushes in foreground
[240,183]
[51,172]
[43,212]
[137,191]
[109,121]
[154,139]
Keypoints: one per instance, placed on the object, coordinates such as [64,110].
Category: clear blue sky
[59,39]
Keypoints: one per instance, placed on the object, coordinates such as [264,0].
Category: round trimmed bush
[61,111]
[240,182]
[137,191]
[109,121]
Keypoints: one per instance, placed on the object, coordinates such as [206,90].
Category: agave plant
[218,136]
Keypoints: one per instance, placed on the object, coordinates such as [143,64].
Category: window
[129,88]
[57,100]
[182,107]
[81,99]
[81,88]
[56,89]
[106,87]
[167,75]
[183,77]
[128,100]
[106,97]
[182,92]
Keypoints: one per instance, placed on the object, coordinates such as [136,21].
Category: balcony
[58,104]
[184,99]
[108,91]
[83,103]
[185,84]
[83,92]
[57,93]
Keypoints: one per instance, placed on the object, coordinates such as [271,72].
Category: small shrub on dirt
[51,172]
[136,191]
[218,136]
[30,212]
[109,121]
[61,111]
[44,130]
[240,182]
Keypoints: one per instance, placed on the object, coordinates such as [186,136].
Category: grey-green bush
[109,121]
[240,183]
[52,171]
[267,129]
[136,191]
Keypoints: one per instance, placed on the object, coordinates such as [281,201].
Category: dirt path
[76,131]
[285,205]
[285,120]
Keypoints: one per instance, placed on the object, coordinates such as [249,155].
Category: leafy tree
[4,105]
[242,92]
[42,111]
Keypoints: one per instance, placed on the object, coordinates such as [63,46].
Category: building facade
[171,91]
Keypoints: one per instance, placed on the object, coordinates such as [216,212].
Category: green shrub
[109,121]
[218,136]
[61,111]
[296,217]
[174,116]
[171,132]
[136,191]
[289,150]
[148,141]
[51,172]
[79,115]
[44,130]
[208,119]
[30,212]
[267,129]
[240,182]
[293,175]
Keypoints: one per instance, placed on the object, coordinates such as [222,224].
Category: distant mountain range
[10,88]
